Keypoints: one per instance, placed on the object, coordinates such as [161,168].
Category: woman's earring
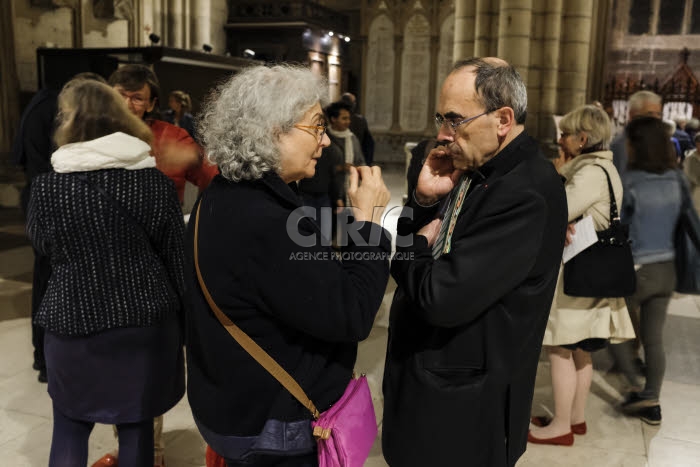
[580,146]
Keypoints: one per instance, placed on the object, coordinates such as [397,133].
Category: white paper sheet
[584,237]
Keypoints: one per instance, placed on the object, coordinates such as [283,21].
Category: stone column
[549,69]
[160,20]
[9,85]
[398,53]
[514,30]
[445,57]
[601,37]
[465,27]
[432,103]
[200,24]
[575,47]
[176,30]
[483,36]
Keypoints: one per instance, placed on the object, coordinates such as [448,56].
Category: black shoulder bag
[606,268]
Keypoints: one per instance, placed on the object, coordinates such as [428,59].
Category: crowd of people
[121,284]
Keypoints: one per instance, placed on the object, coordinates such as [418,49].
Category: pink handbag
[345,432]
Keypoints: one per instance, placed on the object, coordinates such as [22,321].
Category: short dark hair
[132,77]
[650,147]
[498,86]
[333,110]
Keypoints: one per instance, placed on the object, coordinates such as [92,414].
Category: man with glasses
[477,261]
[177,155]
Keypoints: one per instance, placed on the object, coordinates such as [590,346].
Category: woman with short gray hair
[272,273]
[578,326]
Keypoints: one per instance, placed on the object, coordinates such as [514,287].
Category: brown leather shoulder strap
[248,344]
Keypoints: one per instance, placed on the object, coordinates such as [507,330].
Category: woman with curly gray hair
[272,273]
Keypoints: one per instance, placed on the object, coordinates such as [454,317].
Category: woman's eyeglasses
[319,130]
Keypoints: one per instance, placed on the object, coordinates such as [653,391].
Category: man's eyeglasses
[319,130]
[137,101]
[441,120]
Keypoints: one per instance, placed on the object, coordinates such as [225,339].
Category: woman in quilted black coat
[111,224]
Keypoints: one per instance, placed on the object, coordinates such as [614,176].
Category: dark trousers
[655,285]
[69,445]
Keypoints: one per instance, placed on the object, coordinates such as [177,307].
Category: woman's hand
[367,193]
[570,231]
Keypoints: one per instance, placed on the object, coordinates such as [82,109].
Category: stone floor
[613,440]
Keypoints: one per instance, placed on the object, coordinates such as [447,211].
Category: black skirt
[123,375]
[588,345]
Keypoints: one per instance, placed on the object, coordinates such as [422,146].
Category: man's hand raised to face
[437,177]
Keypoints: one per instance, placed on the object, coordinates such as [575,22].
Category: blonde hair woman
[178,113]
[111,224]
[578,326]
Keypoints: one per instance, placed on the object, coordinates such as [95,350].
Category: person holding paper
[578,326]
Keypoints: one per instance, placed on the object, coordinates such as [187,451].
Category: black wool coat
[307,310]
[466,329]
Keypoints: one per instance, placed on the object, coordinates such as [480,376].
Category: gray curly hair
[243,117]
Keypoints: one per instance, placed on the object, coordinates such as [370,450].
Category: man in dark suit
[476,267]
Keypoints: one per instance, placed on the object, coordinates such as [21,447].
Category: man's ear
[506,120]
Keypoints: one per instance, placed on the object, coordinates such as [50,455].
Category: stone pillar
[200,24]
[445,57]
[485,42]
[380,74]
[176,30]
[398,54]
[432,97]
[575,47]
[160,20]
[9,86]
[549,67]
[465,27]
[601,38]
[514,30]
[416,71]
[217,20]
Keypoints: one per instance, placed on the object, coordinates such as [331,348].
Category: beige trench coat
[573,319]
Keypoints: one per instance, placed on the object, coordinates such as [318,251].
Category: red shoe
[563,440]
[213,459]
[577,429]
[108,460]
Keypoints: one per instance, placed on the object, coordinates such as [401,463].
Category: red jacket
[179,157]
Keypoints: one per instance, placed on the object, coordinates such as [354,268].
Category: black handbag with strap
[606,268]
